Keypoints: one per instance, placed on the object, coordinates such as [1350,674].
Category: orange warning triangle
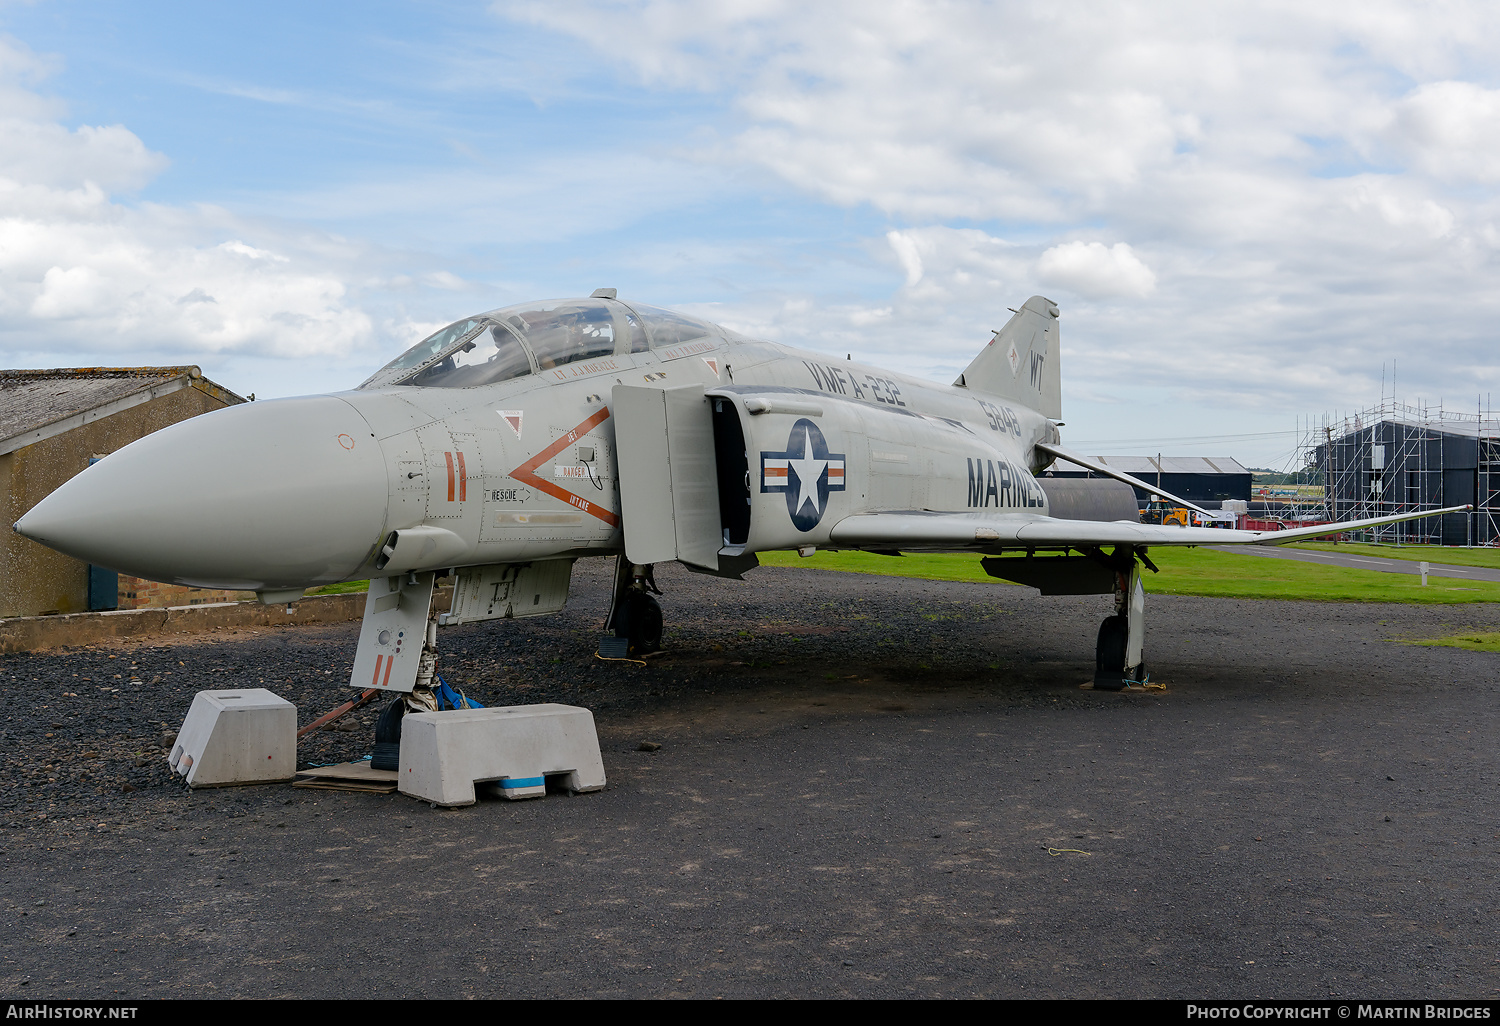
[513,418]
[713,365]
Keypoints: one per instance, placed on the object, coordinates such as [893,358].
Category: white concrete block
[247,736]
[511,750]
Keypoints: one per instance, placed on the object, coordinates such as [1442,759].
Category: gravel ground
[859,783]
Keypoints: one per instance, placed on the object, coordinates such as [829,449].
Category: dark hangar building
[1397,458]
[1207,481]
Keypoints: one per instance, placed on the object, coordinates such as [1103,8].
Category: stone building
[53,424]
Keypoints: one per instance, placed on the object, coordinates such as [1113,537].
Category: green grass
[342,588]
[1236,575]
[1187,572]
[933,567]
[1486,557]
[1473,641]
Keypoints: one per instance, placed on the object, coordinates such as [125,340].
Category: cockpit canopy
[518,340]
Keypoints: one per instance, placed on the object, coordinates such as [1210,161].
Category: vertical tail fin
[1021,362]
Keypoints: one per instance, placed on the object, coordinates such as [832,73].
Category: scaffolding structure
[1397,458]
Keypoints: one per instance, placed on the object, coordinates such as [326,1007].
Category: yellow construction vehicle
[1159,512]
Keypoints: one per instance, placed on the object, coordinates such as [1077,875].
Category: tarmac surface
[1357,562]
[866,787]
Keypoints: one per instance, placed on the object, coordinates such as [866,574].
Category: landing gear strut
[387,752]
[635,615]
[1119,656]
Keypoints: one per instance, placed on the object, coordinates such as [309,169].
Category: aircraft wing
[920,530]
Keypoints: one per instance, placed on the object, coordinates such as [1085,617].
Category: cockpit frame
[547,335]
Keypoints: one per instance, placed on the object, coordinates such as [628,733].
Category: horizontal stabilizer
[1108,471]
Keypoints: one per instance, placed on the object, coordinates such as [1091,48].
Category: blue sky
[352,118]
[1245,213]
[437,129]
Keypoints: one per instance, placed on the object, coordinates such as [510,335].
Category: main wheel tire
[1109,654]
[645,625]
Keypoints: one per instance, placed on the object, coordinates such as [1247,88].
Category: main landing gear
[634,615]
[1119,656]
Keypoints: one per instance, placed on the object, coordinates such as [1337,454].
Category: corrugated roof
[1472,428]
[1146,466]
[36,404]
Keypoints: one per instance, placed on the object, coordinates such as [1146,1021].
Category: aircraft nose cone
[277,494]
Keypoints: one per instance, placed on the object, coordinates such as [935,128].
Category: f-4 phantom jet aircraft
[510,444]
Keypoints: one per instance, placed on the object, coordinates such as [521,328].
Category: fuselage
[302,492]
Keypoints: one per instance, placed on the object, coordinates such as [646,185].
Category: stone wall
[138,593]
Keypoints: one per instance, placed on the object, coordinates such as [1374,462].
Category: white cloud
[48,154]
[81,273]
[20,69]
[940,111]
[943,262]
[1303,177]
[1450,130]
[1241,204]
[75,292]
[908,253]
[1096,271]
[1399,206]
